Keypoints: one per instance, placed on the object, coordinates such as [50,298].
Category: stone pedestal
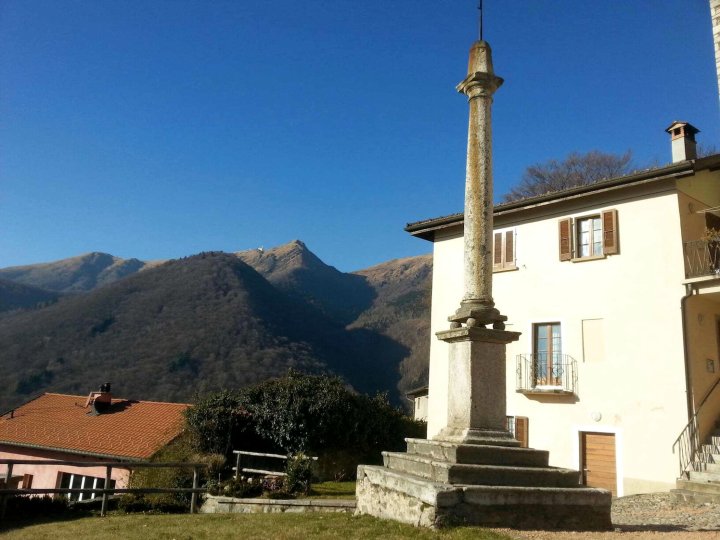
[473,472]
[476,396]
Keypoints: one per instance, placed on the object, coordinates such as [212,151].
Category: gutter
[74,452]
[689,293]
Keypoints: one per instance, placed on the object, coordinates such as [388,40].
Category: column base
[475,313]
[476,436]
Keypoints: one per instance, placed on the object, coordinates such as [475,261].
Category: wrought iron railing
[702,258]
[543,372]
[688,442]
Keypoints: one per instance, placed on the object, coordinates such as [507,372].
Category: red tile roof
[129,429]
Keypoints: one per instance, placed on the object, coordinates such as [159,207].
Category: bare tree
[705,150]
[575,170]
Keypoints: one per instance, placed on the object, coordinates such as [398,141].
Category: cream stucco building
[615,288]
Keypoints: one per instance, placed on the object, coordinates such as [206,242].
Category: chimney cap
[689,128]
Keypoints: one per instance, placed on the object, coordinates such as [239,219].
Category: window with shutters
[588,237]
[504,251]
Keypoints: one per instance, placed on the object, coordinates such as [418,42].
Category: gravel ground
[651,516]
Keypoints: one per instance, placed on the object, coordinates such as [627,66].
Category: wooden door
[598,460]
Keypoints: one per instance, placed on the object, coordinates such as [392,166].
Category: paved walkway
[652,516]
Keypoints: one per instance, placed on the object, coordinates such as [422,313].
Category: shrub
[217,422]
[181,449]
[299,473]
[137,502]
[320,415]
[241,488]
[310,414]
[19,507]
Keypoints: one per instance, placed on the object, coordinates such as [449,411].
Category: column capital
[479,84]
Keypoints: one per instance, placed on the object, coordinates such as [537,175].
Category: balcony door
[547,354]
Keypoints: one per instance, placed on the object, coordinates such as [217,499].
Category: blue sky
[158,129]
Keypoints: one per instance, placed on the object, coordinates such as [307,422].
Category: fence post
[237,466]
[3,503]
[193,498]
[108,472]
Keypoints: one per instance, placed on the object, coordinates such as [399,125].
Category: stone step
[715,439]
[404,497]
[464,474]
[695,497]
[704,476]
[699,487]
[710,449]
[475,454]
[704,457]
[706,467]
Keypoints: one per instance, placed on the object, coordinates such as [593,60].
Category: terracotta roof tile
[129,429]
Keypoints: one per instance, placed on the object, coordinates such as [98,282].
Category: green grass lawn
[333,490]
[220,526]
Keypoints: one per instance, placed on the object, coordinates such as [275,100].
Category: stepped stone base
[695,497]
[495,486]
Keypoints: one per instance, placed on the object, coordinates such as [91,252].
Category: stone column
[477,306]
[477,364]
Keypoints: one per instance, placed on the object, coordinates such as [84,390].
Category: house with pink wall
[92,428]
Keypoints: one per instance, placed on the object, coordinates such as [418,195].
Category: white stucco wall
[636,383]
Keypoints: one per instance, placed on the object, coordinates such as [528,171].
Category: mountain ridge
[370,326]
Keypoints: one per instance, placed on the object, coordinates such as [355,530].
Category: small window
[77,481]
[504,251]
[588,236]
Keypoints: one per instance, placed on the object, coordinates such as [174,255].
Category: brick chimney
[101,400]
[682,140]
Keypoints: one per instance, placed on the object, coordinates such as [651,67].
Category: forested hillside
[211,321]
[18,296]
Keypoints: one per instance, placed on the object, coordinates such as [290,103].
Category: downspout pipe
[689,293]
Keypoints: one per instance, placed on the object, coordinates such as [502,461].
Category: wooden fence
[239,469]
[105,490]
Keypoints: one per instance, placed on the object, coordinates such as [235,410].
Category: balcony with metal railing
[546,373]
[702,258]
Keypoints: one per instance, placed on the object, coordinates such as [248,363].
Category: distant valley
[167,330]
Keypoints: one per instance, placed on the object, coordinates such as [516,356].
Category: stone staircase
[438,483]
[702,483]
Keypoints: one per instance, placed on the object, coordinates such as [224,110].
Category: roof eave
[74,452]
[426,229]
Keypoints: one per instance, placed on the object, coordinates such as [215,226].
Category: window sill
[591,258]
[505,269]
[556,390]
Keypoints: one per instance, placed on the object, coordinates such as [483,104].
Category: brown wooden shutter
[27,481]
[521,430]
[565,229]
[509,248]
[497,250]
[610,232]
